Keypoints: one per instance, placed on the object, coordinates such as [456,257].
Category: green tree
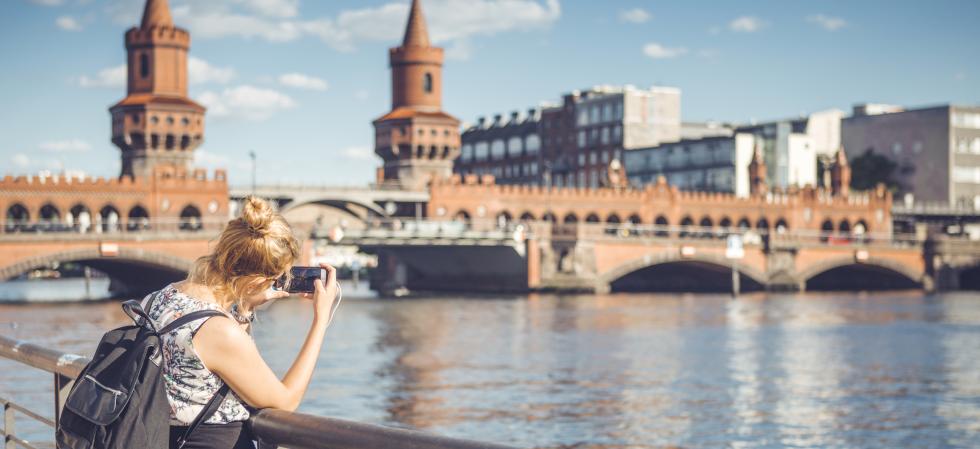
[870,169]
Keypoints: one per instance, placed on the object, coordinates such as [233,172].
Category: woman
[201,356]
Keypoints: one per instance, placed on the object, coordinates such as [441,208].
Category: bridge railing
[131,226]
[427,229]
[272,428]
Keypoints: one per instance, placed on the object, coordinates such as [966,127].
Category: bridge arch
[699,273]
[845,273]
[133,271]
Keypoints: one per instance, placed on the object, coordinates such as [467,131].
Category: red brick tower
[757,173]
[840,174]
[417,140]
[156,124]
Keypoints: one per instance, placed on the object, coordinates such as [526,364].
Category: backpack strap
[212,406]
[209,409]
[188,318]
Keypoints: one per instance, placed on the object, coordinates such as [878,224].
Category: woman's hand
[324,295]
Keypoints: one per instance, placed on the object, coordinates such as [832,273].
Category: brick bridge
[624,257]
[136,262]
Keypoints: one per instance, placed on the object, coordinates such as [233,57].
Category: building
[937,149]
[700,130]
[156,124]
[416,139]
[710,164]
[157,127]
[589,129]
[792,148]
[507,148]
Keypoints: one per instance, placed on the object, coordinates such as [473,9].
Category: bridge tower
[757,173]
[156,124]
[416,139]
[840,174]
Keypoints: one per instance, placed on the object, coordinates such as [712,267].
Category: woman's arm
[229,352]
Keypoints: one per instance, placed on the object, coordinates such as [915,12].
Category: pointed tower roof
[156,14]
[416,32]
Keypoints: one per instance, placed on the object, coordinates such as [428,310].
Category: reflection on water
[612,371]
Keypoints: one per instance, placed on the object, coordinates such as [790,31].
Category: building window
[897,148]
[607,112]
[481,150]
[144,66]
[532,144]
[581,139]
[497,149]
[467,152]
[605,157]
[581,159]
[427,83]
[592,158]
[514,146]
[605,135]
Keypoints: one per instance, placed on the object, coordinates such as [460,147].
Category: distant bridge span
[380,201]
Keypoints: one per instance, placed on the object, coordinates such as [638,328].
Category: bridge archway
[970,278]
[17,217]
[671,273]
[133,271]
[844,273]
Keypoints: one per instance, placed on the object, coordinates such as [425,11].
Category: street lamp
[251,154]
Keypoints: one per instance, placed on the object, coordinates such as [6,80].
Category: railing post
[8,426]
[62,386]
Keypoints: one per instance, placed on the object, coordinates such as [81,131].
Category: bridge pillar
[390,276]
[781,269]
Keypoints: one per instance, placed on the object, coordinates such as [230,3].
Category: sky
[299,81]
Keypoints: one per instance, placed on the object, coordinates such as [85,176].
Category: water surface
[898,370]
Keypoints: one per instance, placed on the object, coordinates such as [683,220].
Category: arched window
[781,226]
[190,219]
[826,229]
[109,218]
[427,83]
[550,217]
[613,219]
[634,219]
[50,218]
[686,224]
[462,216]
[79,217]
[144,66]
[138,219]
[744,224]
[844,228]
[762,225]
[592,218]
[527,216]
[570,218]
[662,224]
[706,225]
[504,218]
[17,218]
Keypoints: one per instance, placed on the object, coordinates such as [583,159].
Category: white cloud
[276,20]
[65,146]
[47,2]
[358,152]
[68,23]
[246,102]
[746,24]
[959,76]
[200,71]
[658,51]
[21,160]
[273,8]
[827,22]
[459,50]
[112,77]
[301,81]
[635,15]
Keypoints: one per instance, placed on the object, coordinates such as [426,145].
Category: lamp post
[251,154]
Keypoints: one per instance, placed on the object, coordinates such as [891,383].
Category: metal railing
[272,428]
[141,226]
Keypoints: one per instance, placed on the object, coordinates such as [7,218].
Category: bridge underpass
[135,262]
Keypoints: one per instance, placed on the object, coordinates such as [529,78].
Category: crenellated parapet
[777,210]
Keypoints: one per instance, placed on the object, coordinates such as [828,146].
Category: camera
[300,279]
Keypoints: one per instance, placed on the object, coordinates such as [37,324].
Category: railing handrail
[270,427]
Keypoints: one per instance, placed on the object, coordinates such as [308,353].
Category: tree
[870,169]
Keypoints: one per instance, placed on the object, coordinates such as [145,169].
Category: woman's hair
[255,247]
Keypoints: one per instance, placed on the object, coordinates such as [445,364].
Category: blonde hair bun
[258,215]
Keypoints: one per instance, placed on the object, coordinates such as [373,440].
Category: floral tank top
[189,384]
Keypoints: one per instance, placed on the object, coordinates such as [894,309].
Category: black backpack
[119,400]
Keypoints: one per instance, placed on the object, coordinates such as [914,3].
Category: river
[843,370]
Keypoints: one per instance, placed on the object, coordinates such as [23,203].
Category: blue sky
[299,81]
